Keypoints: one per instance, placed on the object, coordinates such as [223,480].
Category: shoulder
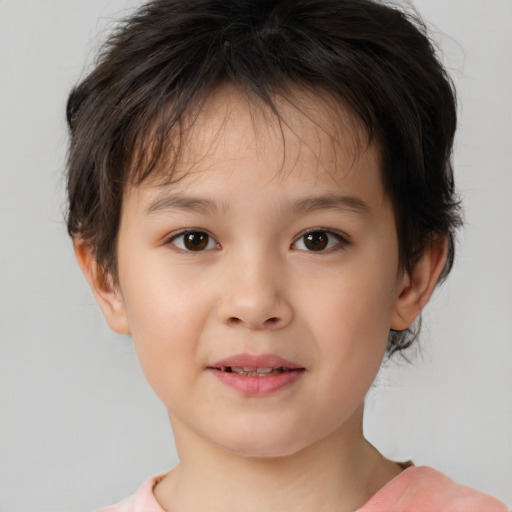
[142,501]
[425,489]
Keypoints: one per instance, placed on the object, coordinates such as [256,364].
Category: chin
[263,446]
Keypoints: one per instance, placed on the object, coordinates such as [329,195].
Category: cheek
[166,319]
[354,305]
[353,342]
[352,320]
[158,298]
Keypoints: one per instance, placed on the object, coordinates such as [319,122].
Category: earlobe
[417,287]
[107,295]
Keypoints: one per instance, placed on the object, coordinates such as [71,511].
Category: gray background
[79,427]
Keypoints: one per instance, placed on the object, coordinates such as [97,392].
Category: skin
[258,288]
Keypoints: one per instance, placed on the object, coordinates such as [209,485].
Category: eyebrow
[205,206]
[330,202]
[182,203]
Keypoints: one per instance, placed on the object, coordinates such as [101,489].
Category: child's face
[293,260]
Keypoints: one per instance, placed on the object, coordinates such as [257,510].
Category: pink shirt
[416,489]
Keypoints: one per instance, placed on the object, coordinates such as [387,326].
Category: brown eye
[316,241]
[194,241]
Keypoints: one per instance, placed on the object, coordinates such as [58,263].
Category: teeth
[264,370]
[253,372]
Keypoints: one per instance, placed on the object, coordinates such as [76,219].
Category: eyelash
[341,241]
[185,232]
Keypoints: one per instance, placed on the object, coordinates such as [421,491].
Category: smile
[257,375]
[254,372]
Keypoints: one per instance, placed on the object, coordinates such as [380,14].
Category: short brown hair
[166,59]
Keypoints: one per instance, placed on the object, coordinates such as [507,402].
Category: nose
[255,295]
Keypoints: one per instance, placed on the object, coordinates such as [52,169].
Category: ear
[415,288]
[107,295]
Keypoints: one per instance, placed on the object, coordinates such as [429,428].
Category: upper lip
[256,361]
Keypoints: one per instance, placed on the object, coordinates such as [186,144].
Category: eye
[319,241]
[194,241]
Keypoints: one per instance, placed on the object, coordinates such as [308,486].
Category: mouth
[260,375]
[264,365]
[255,372]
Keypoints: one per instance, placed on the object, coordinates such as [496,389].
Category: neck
[340,472]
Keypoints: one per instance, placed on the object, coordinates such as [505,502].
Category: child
[261,194]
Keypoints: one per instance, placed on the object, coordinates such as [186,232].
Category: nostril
[269,322]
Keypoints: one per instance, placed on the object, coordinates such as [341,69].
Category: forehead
[309,135]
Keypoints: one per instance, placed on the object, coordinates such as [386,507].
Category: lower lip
[258,385]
